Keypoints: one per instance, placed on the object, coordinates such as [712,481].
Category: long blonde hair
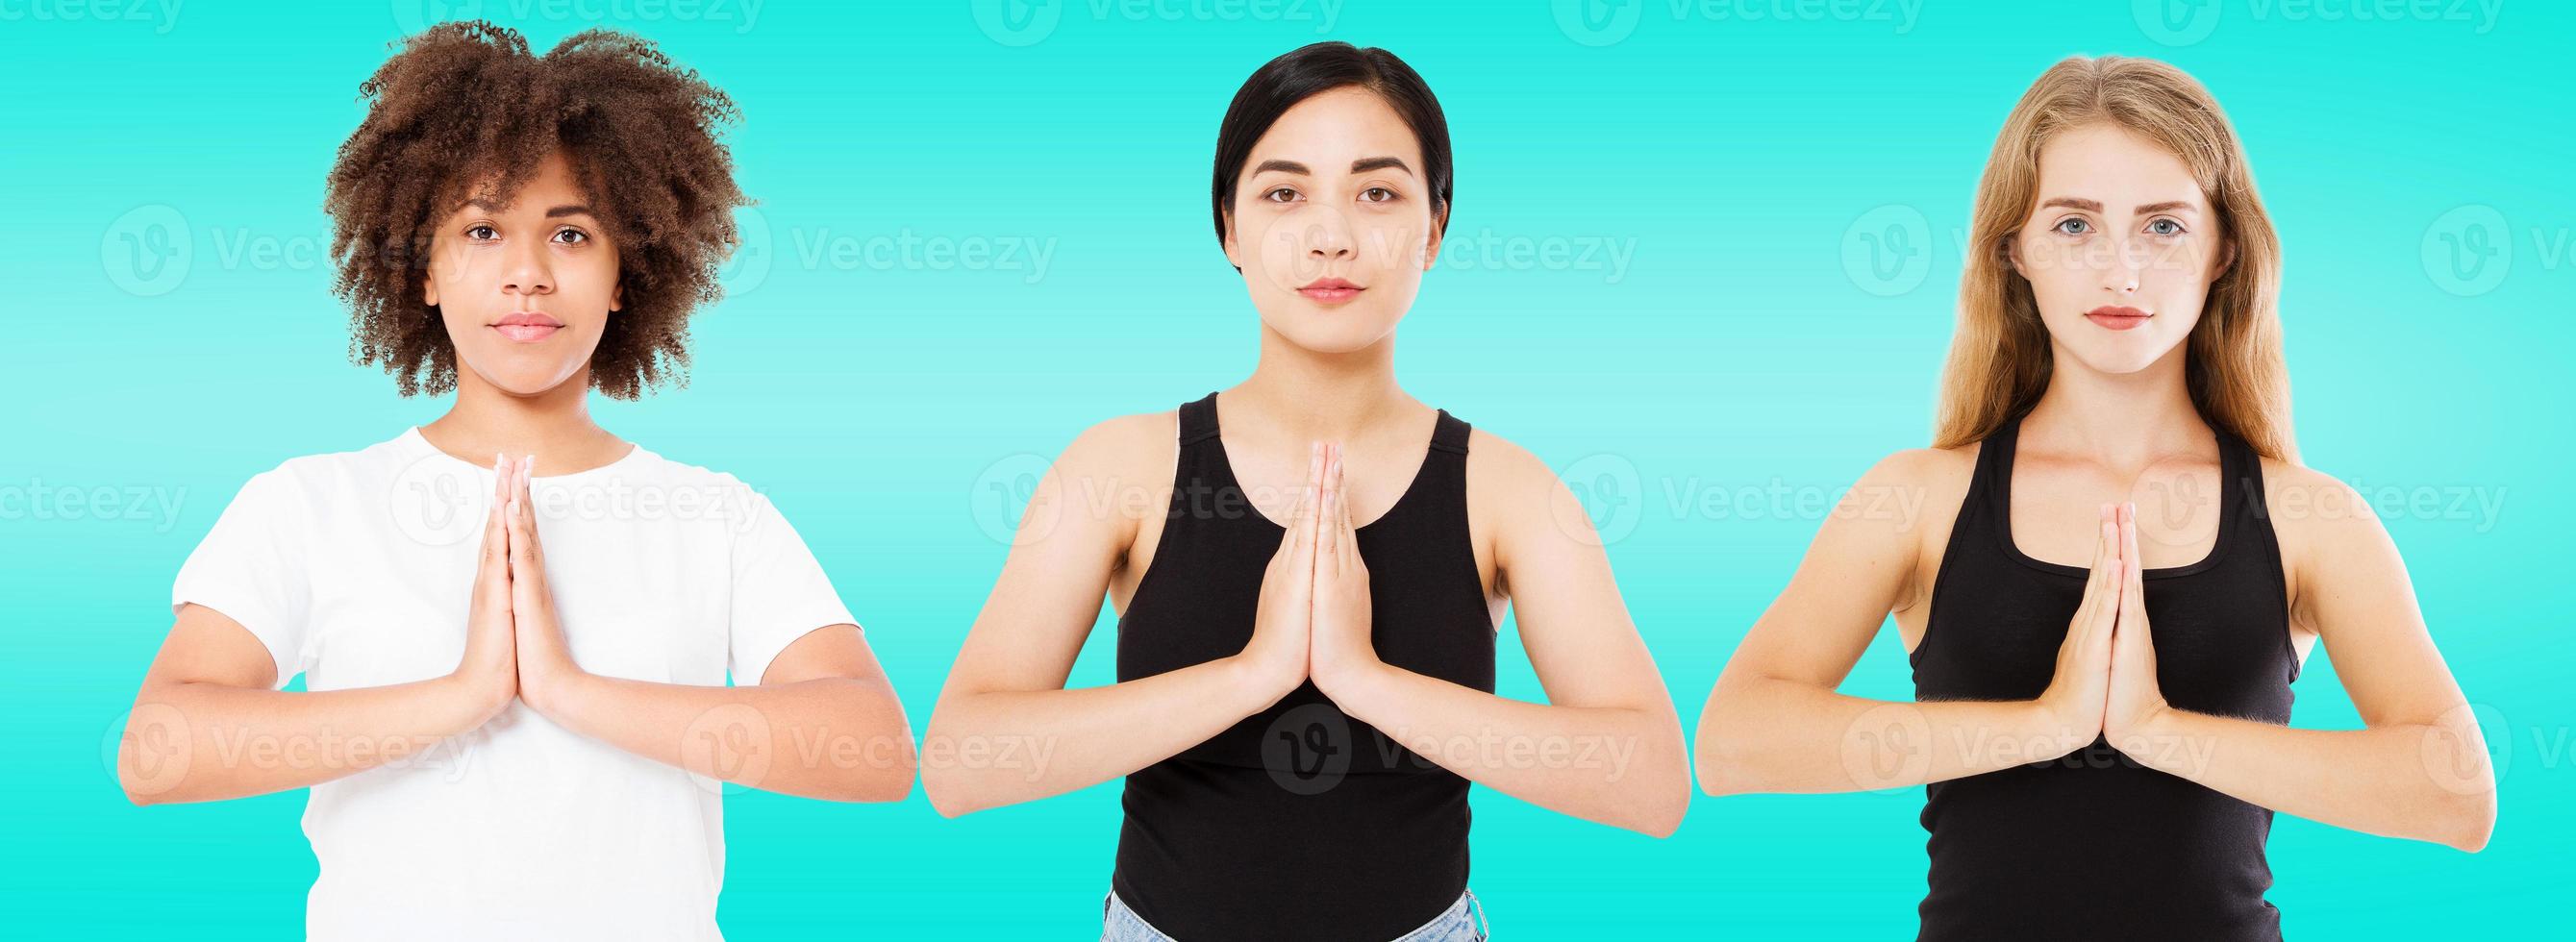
[2000,357]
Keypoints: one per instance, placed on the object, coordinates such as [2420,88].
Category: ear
[617,297]
[1233,248]
[2226,259]
[2012,253]
[429,288]
[1431,244]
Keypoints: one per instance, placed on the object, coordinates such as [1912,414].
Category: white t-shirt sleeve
[779,591]
[251,567]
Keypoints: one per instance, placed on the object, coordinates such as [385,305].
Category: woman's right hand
[1277,653]
[489,672]
[2077,694]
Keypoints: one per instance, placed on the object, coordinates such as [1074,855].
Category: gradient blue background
[1752,163]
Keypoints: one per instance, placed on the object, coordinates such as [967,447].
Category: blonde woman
[2120,568]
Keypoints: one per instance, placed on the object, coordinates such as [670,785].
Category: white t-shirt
[355,569]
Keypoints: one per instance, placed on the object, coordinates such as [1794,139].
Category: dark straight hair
[1312,70]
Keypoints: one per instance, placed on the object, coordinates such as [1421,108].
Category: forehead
[2109,163]
[1336,127]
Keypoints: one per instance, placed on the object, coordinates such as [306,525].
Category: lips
[2117,316]
[1330,290]
[527,326]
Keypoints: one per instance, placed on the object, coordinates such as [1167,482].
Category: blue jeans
[1463,921]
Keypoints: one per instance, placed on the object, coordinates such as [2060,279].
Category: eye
[2165,227]
[569,236]
[2072,225]
[1279,194]
[481,232]
[1377,194]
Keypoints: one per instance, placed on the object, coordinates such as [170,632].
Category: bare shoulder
[2314,513]
[1125,448]
[1498,467]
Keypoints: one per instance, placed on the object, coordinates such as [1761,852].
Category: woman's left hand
[2135,697]
[1341,648]
[545,661]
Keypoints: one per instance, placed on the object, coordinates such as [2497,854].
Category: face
[2120,250]
[525,288]
[1333,224]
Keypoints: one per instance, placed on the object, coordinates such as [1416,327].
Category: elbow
[1661,817]
[1718,759]
[947,792]
[2472,822]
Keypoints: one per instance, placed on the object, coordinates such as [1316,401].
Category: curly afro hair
[463,110]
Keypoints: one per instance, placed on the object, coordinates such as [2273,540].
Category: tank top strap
[1198,421]
[1450,434]
[1991,483]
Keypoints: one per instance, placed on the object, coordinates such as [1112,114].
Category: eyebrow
[2095,206]
[1362,165]
[569,209]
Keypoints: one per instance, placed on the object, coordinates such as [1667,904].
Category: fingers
[2133,591]
[2100,587]
[1331,519]
[527,561]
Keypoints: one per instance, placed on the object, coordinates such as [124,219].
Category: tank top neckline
[1445,436]
[1998,485]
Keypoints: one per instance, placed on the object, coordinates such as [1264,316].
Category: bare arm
[822,723]
[1774,722]
[2418,769]
[208,723]
[1606,746]
[1005,730]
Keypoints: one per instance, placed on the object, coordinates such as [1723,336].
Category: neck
[2120,420]
[1310,395]
[554,425]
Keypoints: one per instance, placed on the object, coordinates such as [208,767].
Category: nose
[1328,237]
[526,269]
[2120,277]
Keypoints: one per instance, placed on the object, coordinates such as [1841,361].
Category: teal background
[1754,161]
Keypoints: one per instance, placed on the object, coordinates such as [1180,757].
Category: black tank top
[2093,844]
[1300,822]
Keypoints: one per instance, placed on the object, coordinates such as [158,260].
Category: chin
[523,379]
[1331,332]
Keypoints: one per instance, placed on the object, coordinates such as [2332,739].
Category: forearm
[2412,780]
[833,738]
[1621,766]
[999,748]
[202,741]
[1766,734]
